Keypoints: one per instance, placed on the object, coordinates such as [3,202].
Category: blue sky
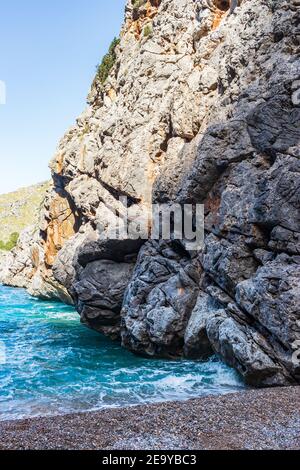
[48,54]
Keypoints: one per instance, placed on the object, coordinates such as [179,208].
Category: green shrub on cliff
[108,61]
[138,3]
[147,30]
[12,242]
[21,209]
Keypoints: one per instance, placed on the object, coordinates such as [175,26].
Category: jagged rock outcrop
[201,106]
[19,218]
[17,267]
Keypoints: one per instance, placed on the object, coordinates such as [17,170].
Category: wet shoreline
[256,419]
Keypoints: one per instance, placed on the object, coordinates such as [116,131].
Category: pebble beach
[257,419]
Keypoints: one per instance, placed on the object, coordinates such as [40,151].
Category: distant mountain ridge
[20,208]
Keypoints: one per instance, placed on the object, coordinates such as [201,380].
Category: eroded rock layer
[202,106]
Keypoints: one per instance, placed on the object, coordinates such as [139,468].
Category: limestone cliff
[19,220]
[201,105]
[21,208]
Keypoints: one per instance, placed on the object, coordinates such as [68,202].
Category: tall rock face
[201,106]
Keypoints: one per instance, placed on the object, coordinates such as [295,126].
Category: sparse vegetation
[20,209]
[138,3]
[12,242]
[85,130]
[108,62]
[147,30]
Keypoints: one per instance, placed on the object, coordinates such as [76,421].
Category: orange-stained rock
[218,16]
[61,227]
[145,14]
[59,163]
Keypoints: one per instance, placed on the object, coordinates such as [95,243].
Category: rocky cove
[51,365]
[200,105]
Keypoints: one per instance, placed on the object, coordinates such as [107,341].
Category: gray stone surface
[204,109]
[99,294]
[19,265]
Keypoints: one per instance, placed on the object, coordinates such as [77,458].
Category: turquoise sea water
[50,364]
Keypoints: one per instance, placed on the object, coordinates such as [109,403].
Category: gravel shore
[257,419]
